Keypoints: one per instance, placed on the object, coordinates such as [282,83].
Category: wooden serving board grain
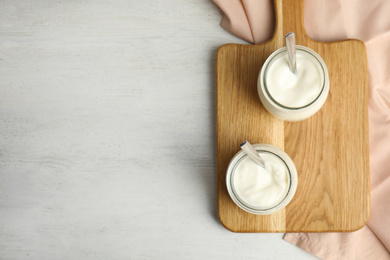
[330,149]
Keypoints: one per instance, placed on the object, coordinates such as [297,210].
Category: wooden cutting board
[330,149]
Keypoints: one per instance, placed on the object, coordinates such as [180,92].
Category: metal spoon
[290,45]
[252,153]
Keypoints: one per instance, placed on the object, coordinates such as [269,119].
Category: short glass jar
[286,111]
[292,179]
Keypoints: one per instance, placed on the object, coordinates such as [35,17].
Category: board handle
[289,16]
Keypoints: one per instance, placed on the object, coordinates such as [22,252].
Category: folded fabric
[369,21]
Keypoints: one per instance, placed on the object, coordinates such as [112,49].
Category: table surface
[107,133]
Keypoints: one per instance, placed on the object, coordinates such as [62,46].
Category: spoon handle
[252,153]
[290,45]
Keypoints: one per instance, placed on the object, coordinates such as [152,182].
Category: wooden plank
[329,149]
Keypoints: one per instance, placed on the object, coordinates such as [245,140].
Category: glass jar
[286,111]
[292,177]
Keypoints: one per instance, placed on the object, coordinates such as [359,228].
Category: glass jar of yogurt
[290,96]
[259,190]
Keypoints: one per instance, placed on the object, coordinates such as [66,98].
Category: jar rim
[293,180]
[235,166]
[279,53]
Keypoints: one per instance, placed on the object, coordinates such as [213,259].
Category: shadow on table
[211,186]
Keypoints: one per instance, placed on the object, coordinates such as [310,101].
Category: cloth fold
[369,21]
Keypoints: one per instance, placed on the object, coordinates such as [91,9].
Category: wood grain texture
[330,149]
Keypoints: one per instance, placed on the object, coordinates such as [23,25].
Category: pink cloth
[369,21]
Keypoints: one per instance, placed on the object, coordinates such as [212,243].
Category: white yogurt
[259,187]
[259,191]
[289,96]
[294,90]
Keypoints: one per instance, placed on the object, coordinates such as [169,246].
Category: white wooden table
[107,133]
